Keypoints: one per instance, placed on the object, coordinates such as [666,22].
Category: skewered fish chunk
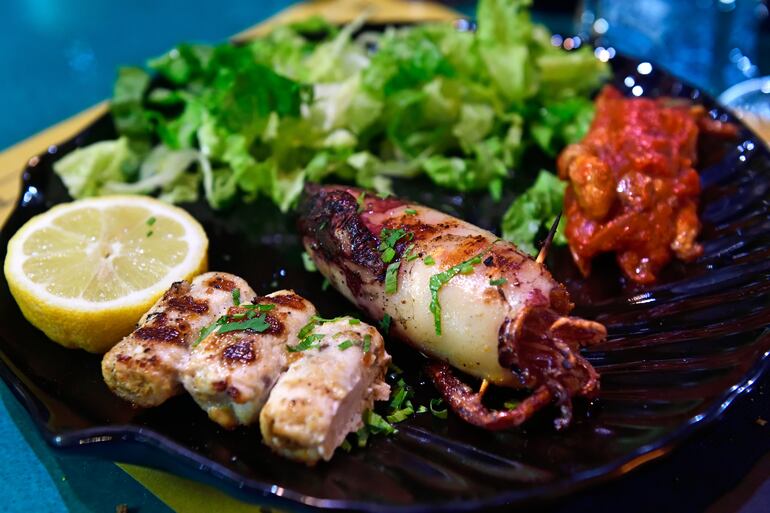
[458,294]
[144,368]
[231,373]
[329,384]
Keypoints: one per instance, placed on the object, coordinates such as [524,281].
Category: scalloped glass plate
[678,354]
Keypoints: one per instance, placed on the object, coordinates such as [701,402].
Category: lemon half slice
[85,272]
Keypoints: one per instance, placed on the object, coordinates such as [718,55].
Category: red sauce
[633,188]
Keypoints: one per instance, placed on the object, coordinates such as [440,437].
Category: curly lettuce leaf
[86,171]
[535,209]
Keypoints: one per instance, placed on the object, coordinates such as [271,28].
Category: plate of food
[437,267]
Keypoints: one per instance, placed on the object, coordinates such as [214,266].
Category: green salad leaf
[314,102]
[536,208]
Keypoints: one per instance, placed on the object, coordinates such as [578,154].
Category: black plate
[679,353]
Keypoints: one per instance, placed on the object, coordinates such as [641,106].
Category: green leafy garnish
[258,324]
[410,212]
[225,324]
[534,210]
[325,284]
[421,409]
[389,237]
[376,424]
[367,343]
[400,415]
[385,323]
[391,278]
[237,297]
[435,405]
[401,394]
[345,345]
[498,281]
[353,321]
[308,342]
[151,221]
[307,262]
[428,260]
[511,405]
[439,280]
[388,254]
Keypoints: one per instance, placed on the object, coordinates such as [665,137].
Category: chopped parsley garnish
[435,404]
[325,284]
[265,307]
[308,342]
[151,221]
[511,405]
[389,237]
[391,278]
[345,345]
[385,323]
[360,200]
[401,394]
[428,260]
[498,282]
[421,409]
[353,321]
[367,343]
[388,254]
[237,297]
[439,280]
[376,424]
[149,233]
[345,446]
[258,324]
[224,324]
[400,415]
[322,225]
[383,195]
[308,263]
[410,212]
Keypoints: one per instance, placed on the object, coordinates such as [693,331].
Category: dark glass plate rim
[100,439]
[117,442]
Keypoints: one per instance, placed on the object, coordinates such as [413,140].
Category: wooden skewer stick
[548,240]
[540,259]
[483,388]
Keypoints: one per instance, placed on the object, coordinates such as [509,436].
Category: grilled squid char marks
[477,303]
[144,368]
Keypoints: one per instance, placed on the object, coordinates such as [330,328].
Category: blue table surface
[58,57]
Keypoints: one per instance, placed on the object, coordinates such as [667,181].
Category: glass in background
[710,43]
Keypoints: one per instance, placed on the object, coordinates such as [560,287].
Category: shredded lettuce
[310,101]
[534,210]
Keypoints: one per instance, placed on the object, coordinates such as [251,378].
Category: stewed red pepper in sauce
[633,188]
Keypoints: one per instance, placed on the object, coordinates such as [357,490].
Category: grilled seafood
[457,293]
[144,368]
[230,374]
[319,400]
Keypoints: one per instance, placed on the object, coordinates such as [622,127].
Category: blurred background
[58,57]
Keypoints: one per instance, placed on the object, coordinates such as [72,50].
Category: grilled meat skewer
[319,400]
[144,368]
[230,374]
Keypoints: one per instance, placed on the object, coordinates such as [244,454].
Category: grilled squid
[458,294]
